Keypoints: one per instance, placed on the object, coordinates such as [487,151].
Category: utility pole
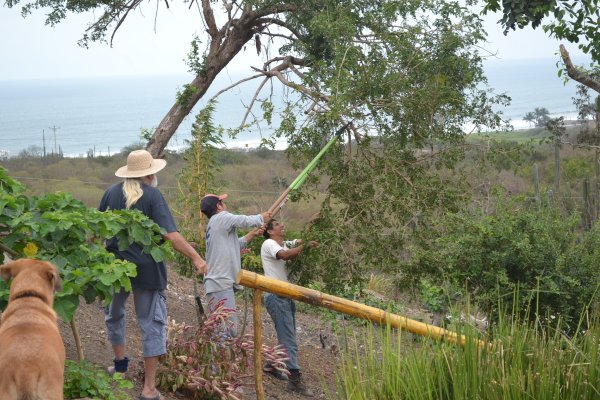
[54,129]
[44,142]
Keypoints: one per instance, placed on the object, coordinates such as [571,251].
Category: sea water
[104,115]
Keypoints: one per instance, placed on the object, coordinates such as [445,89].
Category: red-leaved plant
[204,363]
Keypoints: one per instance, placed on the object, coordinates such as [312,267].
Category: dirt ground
[318,364]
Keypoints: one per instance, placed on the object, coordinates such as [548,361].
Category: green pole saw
[301,178]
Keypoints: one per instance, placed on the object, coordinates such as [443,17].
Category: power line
[112,183]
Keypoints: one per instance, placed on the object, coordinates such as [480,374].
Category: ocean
[107,114]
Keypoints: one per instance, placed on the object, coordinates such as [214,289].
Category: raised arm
[182,246]
[294,251]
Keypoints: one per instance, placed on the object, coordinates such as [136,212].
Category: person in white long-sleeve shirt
[223,248]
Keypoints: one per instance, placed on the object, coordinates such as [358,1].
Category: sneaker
[274,372]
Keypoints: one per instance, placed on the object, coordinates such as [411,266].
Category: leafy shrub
[515,248]
[58,228]
[84,379]
[205,364]
[577,168]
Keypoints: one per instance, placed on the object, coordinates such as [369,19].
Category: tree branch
[278,22]
[276,9]
[292,60]
[256,93]
[209,17]
[576,74]
[220,92]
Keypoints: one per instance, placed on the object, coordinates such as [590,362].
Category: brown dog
[32,353]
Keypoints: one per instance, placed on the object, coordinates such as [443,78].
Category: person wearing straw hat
[138,191]
[223,252]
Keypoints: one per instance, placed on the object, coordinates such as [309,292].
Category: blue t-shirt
[150,274]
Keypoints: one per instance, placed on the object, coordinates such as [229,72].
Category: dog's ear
[54,279]
[6,271]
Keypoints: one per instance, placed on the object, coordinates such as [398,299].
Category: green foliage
[184,96]
[513,248]
[86,380]
[576,168]
[574,21]
[376,200]
[195,62]
[60,229]
[433,296]
[521,362]
[195,178]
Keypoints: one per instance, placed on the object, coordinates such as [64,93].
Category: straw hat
[140,163]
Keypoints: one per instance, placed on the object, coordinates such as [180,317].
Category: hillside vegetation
[252,179]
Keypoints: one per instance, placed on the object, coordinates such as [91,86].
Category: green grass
[524,361]
[517,136]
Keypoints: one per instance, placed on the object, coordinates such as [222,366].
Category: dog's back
[32,354]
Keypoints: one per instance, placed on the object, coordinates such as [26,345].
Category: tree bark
[225,44]
[576,74]
[218,58]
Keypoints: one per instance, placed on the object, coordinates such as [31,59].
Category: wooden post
[257,301]
[314,297]
[536,185]
[587,207]
[557,167]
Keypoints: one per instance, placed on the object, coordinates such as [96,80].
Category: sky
[144,46]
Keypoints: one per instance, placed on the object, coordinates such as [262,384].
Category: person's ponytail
[132,190]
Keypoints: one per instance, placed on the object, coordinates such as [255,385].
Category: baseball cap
[209,202]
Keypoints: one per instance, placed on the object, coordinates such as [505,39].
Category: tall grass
[523,361]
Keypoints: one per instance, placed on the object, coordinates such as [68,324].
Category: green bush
[84,379]
[514,248]
[577,168]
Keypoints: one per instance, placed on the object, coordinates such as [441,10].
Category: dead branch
[256,93]
[220,92]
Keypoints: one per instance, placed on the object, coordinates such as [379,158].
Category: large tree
[348,58]
[407,75]
[573,21]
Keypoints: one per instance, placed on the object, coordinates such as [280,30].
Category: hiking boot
[297,385]
[274,372]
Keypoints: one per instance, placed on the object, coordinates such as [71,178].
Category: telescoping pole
[301,178]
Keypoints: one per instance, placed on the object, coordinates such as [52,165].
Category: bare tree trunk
[219,58]
[225,43]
